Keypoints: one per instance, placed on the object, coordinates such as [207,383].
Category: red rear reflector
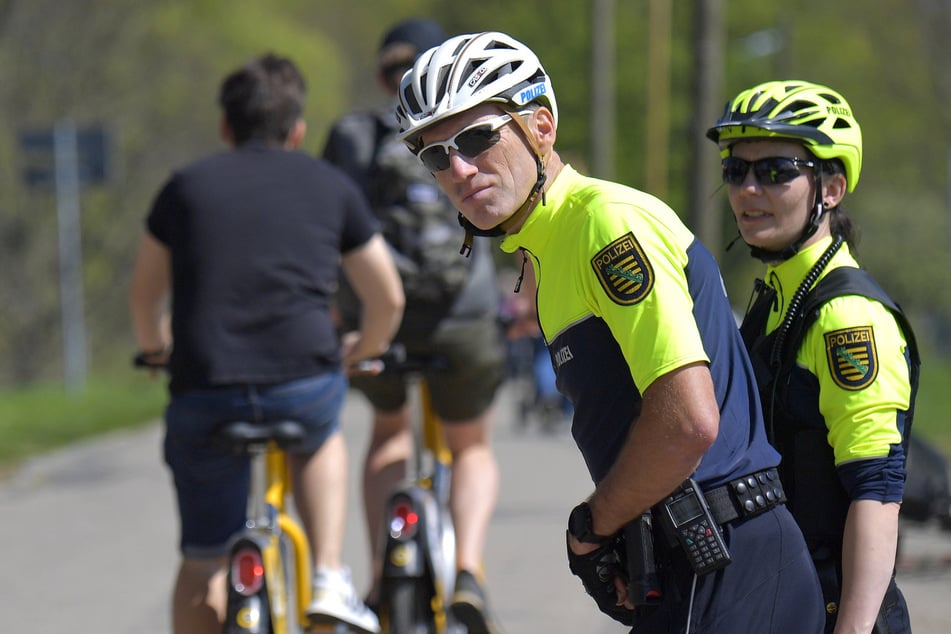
[404,520]
[247,571]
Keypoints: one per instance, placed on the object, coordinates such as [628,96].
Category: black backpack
[418,221]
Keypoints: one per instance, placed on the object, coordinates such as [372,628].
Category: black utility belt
[691,517]
[746,496]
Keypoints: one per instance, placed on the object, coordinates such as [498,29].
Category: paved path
[88,539]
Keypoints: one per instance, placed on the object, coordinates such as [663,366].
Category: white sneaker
[335,601]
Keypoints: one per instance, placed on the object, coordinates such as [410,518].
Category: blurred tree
[888,72]
[150,72]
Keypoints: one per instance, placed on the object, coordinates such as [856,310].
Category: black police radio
[687,517]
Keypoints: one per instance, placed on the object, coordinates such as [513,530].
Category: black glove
[597,571]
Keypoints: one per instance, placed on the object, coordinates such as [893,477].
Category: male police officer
[644,343]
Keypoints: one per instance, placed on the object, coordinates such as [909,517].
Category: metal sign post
[66,178]
[66,159]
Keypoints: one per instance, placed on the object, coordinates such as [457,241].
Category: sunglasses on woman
[772,170]
[471,141]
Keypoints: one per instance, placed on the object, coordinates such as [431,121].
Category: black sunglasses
[471,141]
[772,170]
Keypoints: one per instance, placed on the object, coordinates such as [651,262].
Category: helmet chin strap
[809,230]
[519,214]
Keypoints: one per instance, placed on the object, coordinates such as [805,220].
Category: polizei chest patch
[853,361]
[623,270]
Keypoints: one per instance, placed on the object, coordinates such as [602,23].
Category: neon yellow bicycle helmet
[816,115]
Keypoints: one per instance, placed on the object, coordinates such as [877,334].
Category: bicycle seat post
[259,515]
[416,387]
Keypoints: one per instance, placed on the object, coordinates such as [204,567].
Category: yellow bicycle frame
[434,440]
[432,435]
[278,488]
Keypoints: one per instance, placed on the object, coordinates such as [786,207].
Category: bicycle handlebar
[396,360]
[150,360]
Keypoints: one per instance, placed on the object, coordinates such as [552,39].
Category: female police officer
[642,339]
[835,357]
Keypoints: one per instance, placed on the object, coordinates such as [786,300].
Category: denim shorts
[211,482]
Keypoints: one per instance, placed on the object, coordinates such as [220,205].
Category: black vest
[790,397]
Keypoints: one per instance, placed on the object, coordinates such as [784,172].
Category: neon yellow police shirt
[625,295]
[856,351]
[652,323]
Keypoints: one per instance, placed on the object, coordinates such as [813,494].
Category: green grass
[42,418]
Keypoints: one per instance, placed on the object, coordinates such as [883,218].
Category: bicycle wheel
[407,609]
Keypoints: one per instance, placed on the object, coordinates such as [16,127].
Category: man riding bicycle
[247,244]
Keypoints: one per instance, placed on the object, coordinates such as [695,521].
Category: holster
[643,581]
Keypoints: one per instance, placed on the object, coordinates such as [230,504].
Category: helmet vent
[497,45]
[443,80]
[472,67]
[410,99]
[799,106]
[842,124]
[507,69]
[762,111]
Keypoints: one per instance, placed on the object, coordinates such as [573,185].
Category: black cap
[421,33]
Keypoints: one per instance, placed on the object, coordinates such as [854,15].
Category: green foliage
[150,73]
[934,402]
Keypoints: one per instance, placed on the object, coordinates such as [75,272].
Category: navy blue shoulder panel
[607,402]
[741,446]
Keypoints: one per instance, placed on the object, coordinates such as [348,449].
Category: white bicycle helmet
[465,71]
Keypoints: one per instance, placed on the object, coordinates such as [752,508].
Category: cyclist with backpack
[836,358]
[451,311]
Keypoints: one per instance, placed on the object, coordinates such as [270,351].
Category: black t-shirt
[256,235]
